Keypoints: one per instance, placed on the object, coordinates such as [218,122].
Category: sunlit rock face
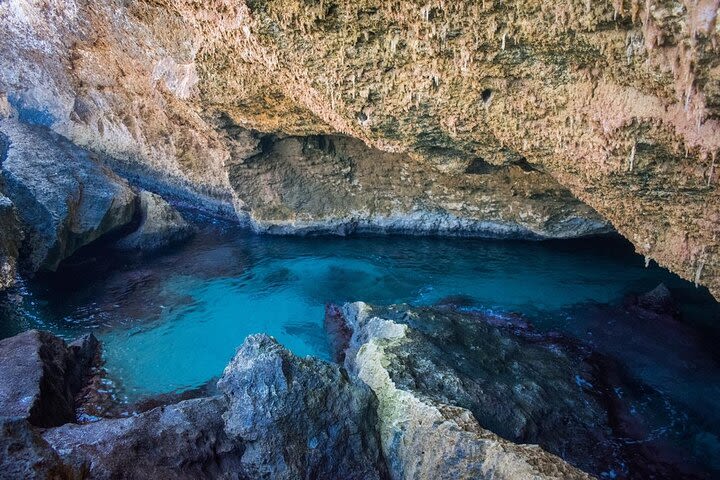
[618,101]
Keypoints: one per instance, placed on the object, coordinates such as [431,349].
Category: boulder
[63,196]
[160,225]
[424,435]
[182,441]
[299,417]
[41,376]
[24,453]
[10,238]
[280,417]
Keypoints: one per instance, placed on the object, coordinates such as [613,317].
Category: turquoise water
[172,322]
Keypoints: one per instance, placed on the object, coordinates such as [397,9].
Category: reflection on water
[172,322]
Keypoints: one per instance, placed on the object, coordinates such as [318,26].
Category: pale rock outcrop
[424,438]
[160,225]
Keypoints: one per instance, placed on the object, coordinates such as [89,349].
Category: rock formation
[618,101]
[64,198]
[337,184]
[160,225]
[10,237]
[41,376]
[280,416]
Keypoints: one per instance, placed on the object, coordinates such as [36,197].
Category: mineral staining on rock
[617,101]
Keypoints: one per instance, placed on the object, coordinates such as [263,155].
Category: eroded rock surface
[64,198]
[617,100]
[279,417]
[24,453]
[425,434]
[299,418]
[339,185]
[284,417]
[160,225]
[185,440]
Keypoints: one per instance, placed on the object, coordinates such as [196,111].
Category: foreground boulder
[65,199]
[41,376]
[184,441]
[280,417]
[10,237]
[424,435]
[160,225]
[299,418]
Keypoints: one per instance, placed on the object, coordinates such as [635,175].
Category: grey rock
[41,376]
[182,441]
[64,198]
[160,225]
[24,454]
[280,417]
[299,417]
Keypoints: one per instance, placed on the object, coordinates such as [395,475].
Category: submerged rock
[299,417]
[41,376]
[658,301]
[160,225]
[64,198]
[10,238]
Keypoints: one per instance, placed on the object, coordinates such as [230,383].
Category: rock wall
[618,101]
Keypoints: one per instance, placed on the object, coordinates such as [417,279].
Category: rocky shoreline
[433,392]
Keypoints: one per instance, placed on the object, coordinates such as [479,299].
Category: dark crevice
[479,166]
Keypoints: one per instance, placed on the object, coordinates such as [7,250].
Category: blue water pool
[172,322]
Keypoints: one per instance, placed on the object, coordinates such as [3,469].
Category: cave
[340,240]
